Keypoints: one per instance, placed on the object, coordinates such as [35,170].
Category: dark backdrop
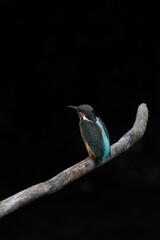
[54,54]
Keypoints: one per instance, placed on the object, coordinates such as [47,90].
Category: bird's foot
[93,157]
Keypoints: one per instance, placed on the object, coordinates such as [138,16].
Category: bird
[94,132]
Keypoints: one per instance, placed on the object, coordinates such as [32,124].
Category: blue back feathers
[105,141]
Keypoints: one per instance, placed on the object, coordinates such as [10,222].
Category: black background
[104,54]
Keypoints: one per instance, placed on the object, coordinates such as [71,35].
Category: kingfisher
[94,132]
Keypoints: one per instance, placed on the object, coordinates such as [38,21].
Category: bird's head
[85,112]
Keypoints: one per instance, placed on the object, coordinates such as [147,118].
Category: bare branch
[27,196]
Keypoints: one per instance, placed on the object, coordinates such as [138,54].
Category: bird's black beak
[72,107]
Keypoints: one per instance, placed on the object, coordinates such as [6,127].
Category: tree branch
[67,176]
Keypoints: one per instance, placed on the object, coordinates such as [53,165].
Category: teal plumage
[105,135]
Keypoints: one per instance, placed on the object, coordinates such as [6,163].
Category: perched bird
[94,132]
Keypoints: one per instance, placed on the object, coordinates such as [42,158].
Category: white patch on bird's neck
[85,118]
